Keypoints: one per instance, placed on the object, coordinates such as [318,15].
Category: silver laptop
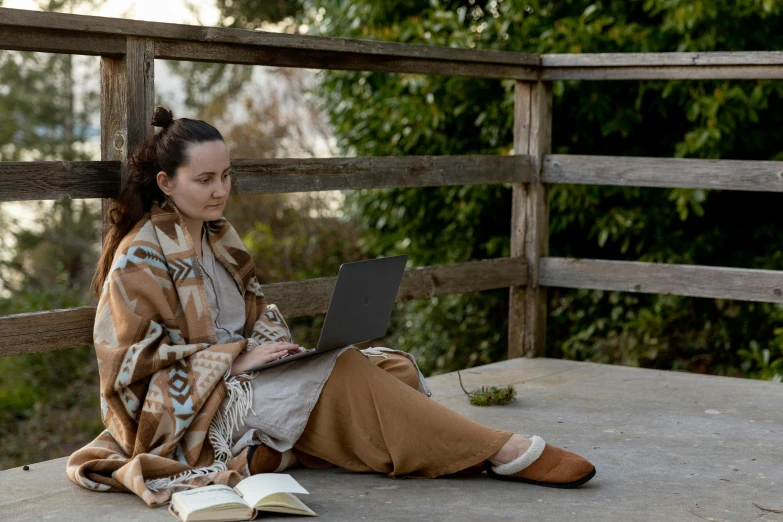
[360,308]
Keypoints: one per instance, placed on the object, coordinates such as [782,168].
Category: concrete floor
[666,445]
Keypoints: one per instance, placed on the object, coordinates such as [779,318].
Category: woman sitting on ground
[181,319]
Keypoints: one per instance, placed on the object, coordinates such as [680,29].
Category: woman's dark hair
[166,150]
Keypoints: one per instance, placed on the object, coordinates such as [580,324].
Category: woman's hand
[263,353]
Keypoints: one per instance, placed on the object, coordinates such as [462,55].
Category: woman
[181,319]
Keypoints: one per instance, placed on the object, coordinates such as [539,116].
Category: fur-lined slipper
[545,465]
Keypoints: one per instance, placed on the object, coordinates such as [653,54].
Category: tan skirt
[369,417]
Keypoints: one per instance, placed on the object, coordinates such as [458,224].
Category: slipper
[263,459]
[545,465]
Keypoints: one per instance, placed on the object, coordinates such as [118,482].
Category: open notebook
[262,492]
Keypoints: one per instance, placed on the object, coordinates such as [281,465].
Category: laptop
[360,307]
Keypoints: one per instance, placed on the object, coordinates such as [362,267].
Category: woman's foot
[513,448]
[535,462]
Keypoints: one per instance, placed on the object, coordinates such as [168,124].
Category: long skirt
[370,417]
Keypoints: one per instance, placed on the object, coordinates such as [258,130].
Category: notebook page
[256,487]
[200,498]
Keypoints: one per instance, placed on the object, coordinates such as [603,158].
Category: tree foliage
[388,114]
[47,263]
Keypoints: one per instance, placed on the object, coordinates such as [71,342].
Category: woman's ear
[163,182]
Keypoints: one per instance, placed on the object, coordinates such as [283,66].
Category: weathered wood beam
[46,331]
[127,103]
[747,58]
[761,176]
[717,72]
[257,176]
[36,180]
[746,65]
[656,278]
[80,34]
[229,45]
[530,219]
[57,329]
[32,180]
[59,41]
[332,60]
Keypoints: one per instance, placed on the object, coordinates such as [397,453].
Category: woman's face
[202,185]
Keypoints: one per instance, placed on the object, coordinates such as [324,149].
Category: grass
[489,395]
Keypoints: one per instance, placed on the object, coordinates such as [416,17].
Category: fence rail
[658,278]
[96,35]
[128,49]
[31,180]
[37,180]
[761,176]
[663,66]
[57,329]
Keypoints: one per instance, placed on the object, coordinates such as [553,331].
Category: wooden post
[127,104]
[530,219]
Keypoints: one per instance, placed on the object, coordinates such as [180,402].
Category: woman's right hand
[263,353]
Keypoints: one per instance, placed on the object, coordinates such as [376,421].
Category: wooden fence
[128,49]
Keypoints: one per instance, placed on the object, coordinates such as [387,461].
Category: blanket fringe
[180,481]
[232,410]
[372,350]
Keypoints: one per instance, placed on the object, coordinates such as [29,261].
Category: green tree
[387,114]
[48,400]
[41,120]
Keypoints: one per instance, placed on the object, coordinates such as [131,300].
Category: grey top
[225,301]
[283,395]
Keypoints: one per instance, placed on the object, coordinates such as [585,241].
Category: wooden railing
[128,49]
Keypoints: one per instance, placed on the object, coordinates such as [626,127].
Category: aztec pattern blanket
[166,399]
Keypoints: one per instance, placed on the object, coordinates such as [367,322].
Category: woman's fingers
[273,351]
[284,347]
[263,353]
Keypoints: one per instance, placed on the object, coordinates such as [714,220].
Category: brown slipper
[263,459]
[545,465]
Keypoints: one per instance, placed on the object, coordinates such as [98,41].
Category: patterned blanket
[166,399]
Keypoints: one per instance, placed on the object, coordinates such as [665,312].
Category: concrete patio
[666,446]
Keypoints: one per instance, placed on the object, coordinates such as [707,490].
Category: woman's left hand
[260,354]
